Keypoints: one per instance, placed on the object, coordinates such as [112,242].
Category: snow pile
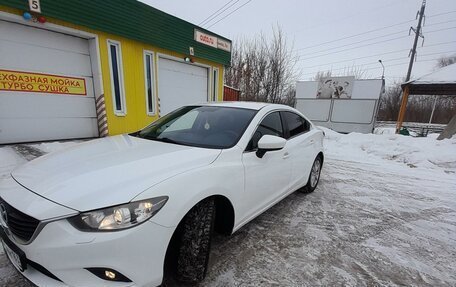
[385,130]
[427,153]
[445,75]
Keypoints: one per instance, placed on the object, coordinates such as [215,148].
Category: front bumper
[138,253]
[65,252]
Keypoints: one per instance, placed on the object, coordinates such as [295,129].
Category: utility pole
[418,34]
[412,54]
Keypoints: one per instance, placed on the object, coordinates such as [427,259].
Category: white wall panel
[353,111]
[180,84]
[315,110]
[33,116]
[31,36]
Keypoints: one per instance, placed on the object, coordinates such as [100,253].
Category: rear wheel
[195,242]
[314,176]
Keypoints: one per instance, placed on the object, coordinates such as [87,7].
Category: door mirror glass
[269,143]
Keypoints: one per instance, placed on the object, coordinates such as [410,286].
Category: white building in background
[342,104]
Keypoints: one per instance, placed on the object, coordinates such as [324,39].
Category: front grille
[20,224]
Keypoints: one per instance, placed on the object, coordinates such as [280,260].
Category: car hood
[108,171]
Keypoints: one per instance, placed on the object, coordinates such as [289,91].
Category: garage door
[46,86]
[180,84]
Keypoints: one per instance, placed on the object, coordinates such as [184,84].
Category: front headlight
[118,217]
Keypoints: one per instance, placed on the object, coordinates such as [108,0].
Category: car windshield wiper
[135,134]
[167,140]
[153,138]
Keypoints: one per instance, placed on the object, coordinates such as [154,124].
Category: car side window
[270,125]
[295,123]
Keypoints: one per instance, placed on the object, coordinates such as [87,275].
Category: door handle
[311,142]
[286,155]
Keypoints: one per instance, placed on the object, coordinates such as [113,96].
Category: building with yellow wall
[80,69]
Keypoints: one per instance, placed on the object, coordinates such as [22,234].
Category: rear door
[301,147]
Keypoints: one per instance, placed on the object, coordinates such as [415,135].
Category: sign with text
[224,45]
[205,39]
[41,83]
[212,41]
[35,6]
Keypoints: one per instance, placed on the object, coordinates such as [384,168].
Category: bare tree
[390,103]
[264,70]
[321,75]
[356,71]
[419,107]
[445,61]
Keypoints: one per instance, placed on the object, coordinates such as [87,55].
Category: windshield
[201,126]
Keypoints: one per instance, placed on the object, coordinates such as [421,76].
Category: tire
[195,242]
[314,176]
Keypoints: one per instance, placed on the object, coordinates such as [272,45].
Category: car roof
[246,105]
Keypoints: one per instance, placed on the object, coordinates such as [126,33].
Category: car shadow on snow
[239,248]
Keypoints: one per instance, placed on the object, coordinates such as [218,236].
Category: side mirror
[269,143]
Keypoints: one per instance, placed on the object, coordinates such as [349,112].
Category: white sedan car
[119,211]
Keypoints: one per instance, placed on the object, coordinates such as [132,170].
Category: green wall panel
[130,19]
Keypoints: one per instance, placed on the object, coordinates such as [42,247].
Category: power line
[385,61]
[360,46]
[439,14]
[337,62]
[438,23]
[377,29]
[381,54]
[374,68]
[354,43]
[231,13]
[390,77]
[420,61]
[400,58]
[437,44]
[221,12]
[444,29]
[374,30]
[202,22]
[392,3]
[362,65]
[354,35]
[366,45]
[437,53]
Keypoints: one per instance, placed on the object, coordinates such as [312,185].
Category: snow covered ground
[384,214]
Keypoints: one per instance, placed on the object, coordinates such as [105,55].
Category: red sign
[206,39]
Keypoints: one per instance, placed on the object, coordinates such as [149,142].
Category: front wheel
[195,242]
[314,176]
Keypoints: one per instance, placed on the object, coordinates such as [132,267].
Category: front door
[268,177]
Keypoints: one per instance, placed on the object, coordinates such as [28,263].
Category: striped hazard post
[101,115]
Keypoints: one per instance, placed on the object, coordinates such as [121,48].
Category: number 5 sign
[35,6]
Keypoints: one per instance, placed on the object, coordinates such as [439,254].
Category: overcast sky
[309,24]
